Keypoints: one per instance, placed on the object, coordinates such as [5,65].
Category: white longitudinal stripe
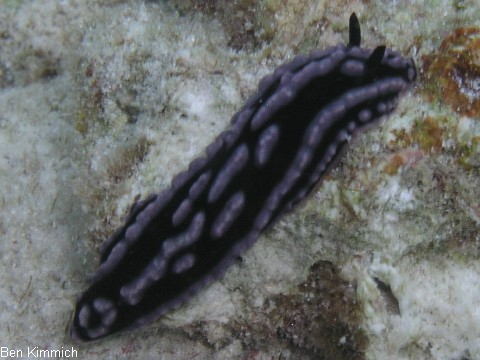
[233,165]
[132,292]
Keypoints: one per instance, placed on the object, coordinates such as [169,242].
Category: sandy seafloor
[102,101]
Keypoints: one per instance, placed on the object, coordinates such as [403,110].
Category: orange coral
[453,74]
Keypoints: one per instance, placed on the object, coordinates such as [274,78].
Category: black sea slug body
[279,146]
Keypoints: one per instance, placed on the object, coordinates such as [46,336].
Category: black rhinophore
[277,149]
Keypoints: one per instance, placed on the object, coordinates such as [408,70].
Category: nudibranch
[278,148]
